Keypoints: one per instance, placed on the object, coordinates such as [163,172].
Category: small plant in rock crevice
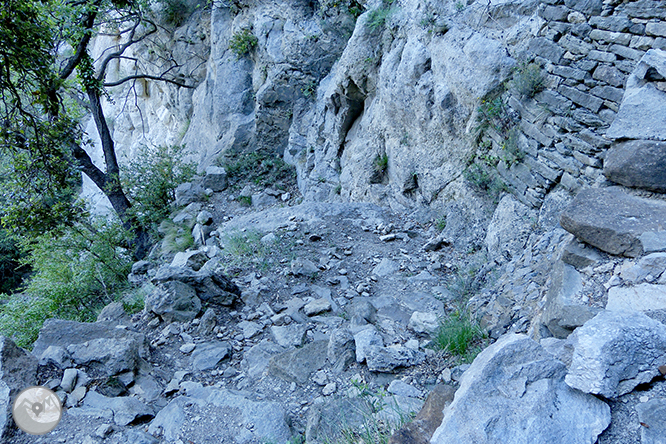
[379,168]
[378,17]
[243,42]
[528,79]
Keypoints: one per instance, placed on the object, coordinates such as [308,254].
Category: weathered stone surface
[227,418]
[255,360]
[637,163]
[612,220]
[207,355]
[579,255]
[99,345]
[649,268]
[207,322]
[327,421]
[215,178]
[114,312]
[653,415]
[422,322]
[387,359]
[386,267]
[249,329]
[421,429]
[292,335]
[546,49]
[509,229]
[565,309]
[341,349]
[364,339]
[125,409]
[210,282]
[400,388]
[642,114]
[616,351]
[304,267]
[590,7]
[174,301]
[191,259]
[317,306]
[642,297]
[18,370]
[297,365]
[514,376]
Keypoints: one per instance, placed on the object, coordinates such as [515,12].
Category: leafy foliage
[377,18]
[151,179]
[175,11]
[10,267]
[259,167]
[243,42]
[75,273]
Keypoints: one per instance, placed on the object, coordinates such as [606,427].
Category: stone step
[616,222]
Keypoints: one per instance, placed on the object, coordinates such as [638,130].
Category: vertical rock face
[247,103]
[514,392]
[407,91]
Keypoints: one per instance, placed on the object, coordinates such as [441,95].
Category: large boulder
[637,163]
[18,370]
[210,282]
[616,351]
[613,220]
[98,346]
[513,393]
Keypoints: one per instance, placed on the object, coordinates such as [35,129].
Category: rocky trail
[329,303]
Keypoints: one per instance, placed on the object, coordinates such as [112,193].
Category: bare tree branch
[148,77]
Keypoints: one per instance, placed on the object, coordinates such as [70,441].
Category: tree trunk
[109,182]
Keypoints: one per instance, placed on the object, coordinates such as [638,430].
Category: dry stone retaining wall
[587,50]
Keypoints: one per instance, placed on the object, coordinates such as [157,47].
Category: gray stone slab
[642,297]
[297,365]
[613,220]
[209,354]
[638,164]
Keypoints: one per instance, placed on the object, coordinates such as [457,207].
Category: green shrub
[175,11]
[150,181]
[259,167]
[76,271]
[528,79]
[177,237]
[377,17]
[243,42]
[457,333]
[310,89]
